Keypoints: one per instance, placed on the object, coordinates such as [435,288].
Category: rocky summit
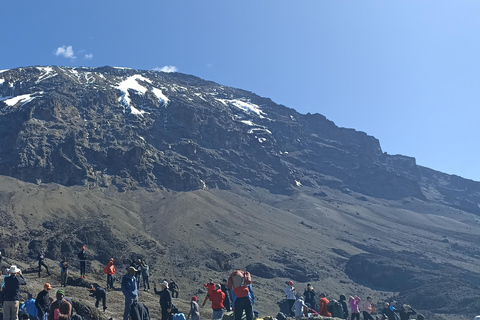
[200,178]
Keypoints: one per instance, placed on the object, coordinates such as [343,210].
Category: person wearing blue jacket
[29,307]
[129,290]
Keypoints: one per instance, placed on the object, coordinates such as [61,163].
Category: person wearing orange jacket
[324,305]
[217,297]
[109,270]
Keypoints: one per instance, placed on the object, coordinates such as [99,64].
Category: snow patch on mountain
[245,106]
[160,96]
[132,83]
[47,72]
[12,101]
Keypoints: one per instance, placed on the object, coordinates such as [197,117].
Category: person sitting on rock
[323,305]
[298,308]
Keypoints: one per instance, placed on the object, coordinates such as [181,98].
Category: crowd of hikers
[232,294]
[300,306]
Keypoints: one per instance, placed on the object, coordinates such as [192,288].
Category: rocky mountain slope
[199,178]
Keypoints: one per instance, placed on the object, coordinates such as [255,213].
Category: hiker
[210,287]
[226,302]
[323,305]
[239,283]
[391,312]
[99,293]
[354,301]
[342,300]
[41,262]
[29,308]
[139,311]
[42,302]
[309,295]
[61,308]
[335,308]
[386,311]
[11,293]
[367,309]
[138,274]
[290,296]
[165,299]
[298,308]
[110,270]
[406,312]
[82,256]
[129,290]
[173,287]
[194,312]
[145,276]
[217,297]
[63,272]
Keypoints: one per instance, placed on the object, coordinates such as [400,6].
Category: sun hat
[164,283]
[61,291]
[14,269]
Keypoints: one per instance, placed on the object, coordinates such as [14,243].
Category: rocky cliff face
[132,128]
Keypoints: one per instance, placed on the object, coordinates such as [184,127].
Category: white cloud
[89,56]
[167,69]
[66,52]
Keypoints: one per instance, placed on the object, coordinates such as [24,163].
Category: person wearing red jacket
[217,297]
[324,305]
[109,270]
[210,288]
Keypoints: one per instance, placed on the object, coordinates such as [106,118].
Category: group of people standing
[41,308]
[303,305]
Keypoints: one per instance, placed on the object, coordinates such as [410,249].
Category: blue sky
[406,72]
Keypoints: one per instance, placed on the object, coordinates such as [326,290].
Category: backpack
[281,316]
[335,308]
[238,282]
[179,316]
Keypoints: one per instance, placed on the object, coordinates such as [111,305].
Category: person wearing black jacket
[406,312]
[139,311]
[165,299]
[41,262]
[226,302]
[82,256]
[42,303]
[343,301]
[99,293]
[11,293]
[309,295]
